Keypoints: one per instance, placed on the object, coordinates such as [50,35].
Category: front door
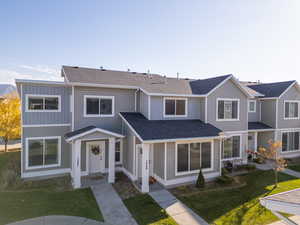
[96,156]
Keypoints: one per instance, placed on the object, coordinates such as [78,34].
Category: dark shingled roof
[202,87]
[169,129]
[258,126]
[270,90]
[79,131]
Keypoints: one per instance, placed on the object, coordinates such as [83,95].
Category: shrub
[258,160]
[225,179]
[224,171]
[249,167]
[200,180]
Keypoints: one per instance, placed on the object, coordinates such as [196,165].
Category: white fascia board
[261,130]
[181,139]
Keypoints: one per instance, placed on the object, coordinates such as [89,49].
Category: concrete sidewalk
[291,172]
[286,171]
[296,219]
[182,214]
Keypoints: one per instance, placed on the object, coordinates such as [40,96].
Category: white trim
[182,139]
[128,174]
[261,130]
[286,90]
[45,173]
[269,98]
[95,130]
[134,157]
[28,81]
[27,96]
[259,110]
[136,167]
[58,164]
[291,101]
[73,105]
[149,107]
[232,158]
[165,163]
[227,99]
[205,119]
[135,100]
[194,171]
[174,98]
[254,110]
[276,116]
[22,136]
[48,125]
[112,98]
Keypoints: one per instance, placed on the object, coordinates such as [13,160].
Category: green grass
[146,211]
[21,200]
[241,205]
[294,167]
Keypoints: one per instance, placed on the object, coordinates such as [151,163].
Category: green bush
[225,179]
[225,171]
[200,180]
[249,167]
[258,160]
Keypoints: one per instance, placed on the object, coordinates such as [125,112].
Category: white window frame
[173,98]
[43,166]
[249,110]
[42,96]
[194,171]
[291,101]
[228,99]
[121,151]
[289,151]
[232,158]
[85,97]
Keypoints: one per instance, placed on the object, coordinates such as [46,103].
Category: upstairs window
[227,109]
[252,106]
[290,141]
[95,106]
[43,103]
[291,110]
[175,107]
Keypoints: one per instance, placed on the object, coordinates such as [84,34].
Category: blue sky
[252,39]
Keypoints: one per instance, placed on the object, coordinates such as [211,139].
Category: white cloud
[41,69]
[9,76]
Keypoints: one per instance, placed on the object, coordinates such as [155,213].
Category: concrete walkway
[291,172]
[182,214]
[59,220]
[296,219]
[112,207]
[286,171]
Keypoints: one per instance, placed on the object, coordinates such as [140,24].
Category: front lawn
[240,205]
[21,200]
[294,167]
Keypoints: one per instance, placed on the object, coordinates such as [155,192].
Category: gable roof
[158,130]
[272,90]
[152,84]
[6,89]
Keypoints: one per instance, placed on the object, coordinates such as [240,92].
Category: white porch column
[76,167]
[255,141]
[145,167]
[111,160]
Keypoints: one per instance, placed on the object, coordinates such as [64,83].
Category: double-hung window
[43,152]
[118,151]
[191,157]
[227,109]
[231,148]
[43,103]
[175,107]
[291,110]
[98,106]
[251,106]
[290,141]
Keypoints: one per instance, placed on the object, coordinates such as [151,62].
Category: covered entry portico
[96,140]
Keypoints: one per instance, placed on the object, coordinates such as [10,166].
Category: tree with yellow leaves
[10,118]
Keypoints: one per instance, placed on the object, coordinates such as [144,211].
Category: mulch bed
[123,185]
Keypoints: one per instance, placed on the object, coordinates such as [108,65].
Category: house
[143,124]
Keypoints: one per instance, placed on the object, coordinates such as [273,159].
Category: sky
[251,39]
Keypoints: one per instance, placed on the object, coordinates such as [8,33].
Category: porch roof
[258,126]
[88,130]
[160,130]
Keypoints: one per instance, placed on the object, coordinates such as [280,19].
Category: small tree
[10,119]
[200,180]
[271,155]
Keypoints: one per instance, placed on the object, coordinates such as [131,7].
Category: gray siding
[228,90]
[157,109]
[291,94]
[268,112]
[202,109]
[31,118]
[124,102]
[264,137]
[128,149]
[144,104]
[255,116]
[159,159]
[47,132]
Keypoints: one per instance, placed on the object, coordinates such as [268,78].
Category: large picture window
[98,106]
[191,157]
[290,141]
[291,110]
[231,148]
[43,152]
[175,107]
[227,109]
[43,103]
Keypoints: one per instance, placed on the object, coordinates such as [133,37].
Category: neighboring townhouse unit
[146,125]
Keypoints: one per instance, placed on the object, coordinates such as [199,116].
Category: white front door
[96,156]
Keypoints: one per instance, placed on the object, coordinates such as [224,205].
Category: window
[290,141]
[43,103]
[252,106]
[175,107]
[102,106]
[291,110]
[118,152]
[231,147]
[193,156]
[227,109]
[43,152]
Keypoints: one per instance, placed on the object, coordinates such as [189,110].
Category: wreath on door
[95,150]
